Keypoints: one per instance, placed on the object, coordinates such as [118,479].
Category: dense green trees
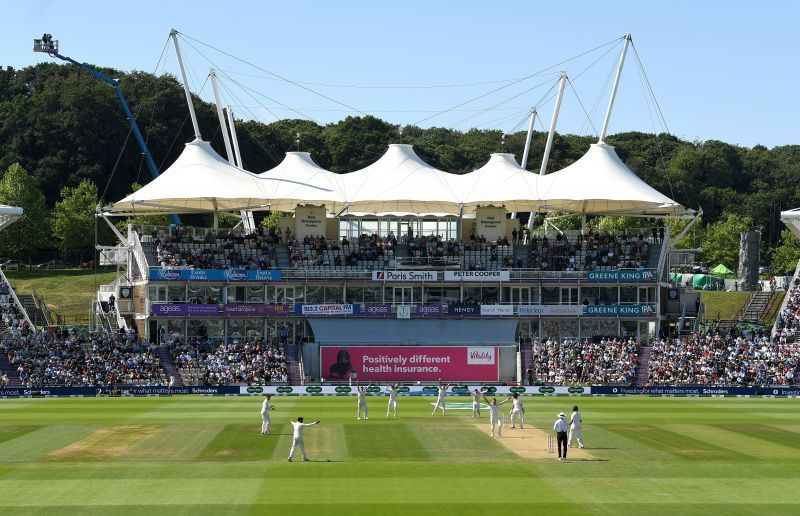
[31,233]
[65,127]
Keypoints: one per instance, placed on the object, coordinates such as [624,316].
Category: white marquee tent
[792,220]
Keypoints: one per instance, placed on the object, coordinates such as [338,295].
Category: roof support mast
[228,152]
[174,35]
[549,146]
[527,150]
[234,139]
[614,89]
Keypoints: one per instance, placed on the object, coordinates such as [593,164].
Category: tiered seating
[49,359]
[248,361]
[225,249]
[589,252]
[12,319]
[476,254]
[717,360]
[584,362]
[369,252]
[788,321]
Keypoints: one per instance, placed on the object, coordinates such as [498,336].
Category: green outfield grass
[203,455]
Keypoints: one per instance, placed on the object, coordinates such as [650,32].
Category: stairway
[9,371]
[756,306]
[522,255]
[654,253]
[168,365]
[282,259]
[641,365]
[34,312]
[292,352]
[526,359]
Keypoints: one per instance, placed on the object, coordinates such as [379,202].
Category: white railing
[114,255]
[662,258]
[785,300]
[301,364]
[138,254]
[111,287]
[16,300]
[120,320]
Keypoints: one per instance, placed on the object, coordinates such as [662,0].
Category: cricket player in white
[476,404]
[362,401]
[391,390]
[517,410]
[297,438]
[575,427]
[266,408]
[440,399]
[494,416]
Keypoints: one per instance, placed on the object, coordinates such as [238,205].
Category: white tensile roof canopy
[399,183]
[9,215]
[289,184]
[599,183]
[501,181]
[792,220]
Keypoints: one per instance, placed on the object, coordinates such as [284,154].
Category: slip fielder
[440,403]
[266,408]
[391,390]
[362,401]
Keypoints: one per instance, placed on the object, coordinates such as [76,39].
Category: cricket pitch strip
[531,443]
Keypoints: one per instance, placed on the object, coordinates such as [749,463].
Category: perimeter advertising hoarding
[621,276]
[157,274]
[327,309]
[410,363]
[411,390]
[477,276]
[232,310]
[496,310]
[400,275]
[550,310]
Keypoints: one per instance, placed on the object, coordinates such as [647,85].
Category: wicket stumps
[550,443]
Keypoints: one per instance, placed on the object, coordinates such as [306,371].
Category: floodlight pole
[228,151]
[527,150]
[604,130]
[174,35]
[548,147]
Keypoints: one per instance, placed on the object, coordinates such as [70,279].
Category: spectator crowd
[788,320]
[592,251]
[222,249]
[717,360]
[58,358]
[583,361]
[250,360]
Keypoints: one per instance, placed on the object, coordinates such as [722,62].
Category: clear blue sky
[720,70]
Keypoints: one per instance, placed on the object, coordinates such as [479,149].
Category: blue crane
[49,46]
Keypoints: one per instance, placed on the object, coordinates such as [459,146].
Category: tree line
[65,147]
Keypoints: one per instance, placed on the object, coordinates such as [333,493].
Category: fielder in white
[362,401]
[517,410]
[575,427]
[494,416]
[266,408]
[391,390]
[476,404]
[440,403]
[297,438]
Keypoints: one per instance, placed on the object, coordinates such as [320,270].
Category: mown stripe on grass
[766,433]
[676,444]
[175,442]
[8,432]
[389,441]
[38,443]
[737,441]
[241,442]
[459,442]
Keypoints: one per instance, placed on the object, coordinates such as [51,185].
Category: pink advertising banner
[410,363]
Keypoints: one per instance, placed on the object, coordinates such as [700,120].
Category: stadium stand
[593,251]
[788,320]
[223,249]
[50,359]
[249,361]
[717,360]
[583,362]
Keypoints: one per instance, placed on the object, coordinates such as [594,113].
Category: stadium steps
[282,257]
[641,365]
[757,306]
[292,352]
[654,253]
[10,372]
[522,255]
[526,357]
[35,313]
[168,365]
